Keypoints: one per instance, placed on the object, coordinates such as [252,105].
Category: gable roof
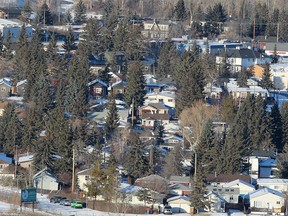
[184,179]
[4,159]
[186,198]
[119,84]
[173,137]
[21,83]
[97,81]
[272,181]
[150,178]
[264,191]
[157,106]
[243,53]
[179,187]
[225,178]
[238,182]
[25,158]
[84,172]
[262,153]
[44,172]
[6,81]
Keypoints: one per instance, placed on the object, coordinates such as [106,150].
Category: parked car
[168,210]
[65,202]
[76,204]
[56,199]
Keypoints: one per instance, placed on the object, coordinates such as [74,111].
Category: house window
[98,90]
[231,198]
[232,190]
[3,89]
[214,189]
[276,187]
[170,100]
[1,166]
[227,190]
[258,204]
[86,178]
[119,91]
[160,100]
[278,202]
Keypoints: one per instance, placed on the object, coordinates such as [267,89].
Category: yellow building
[257,70]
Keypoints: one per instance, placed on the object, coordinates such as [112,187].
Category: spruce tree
[1,44]
[180,11]
[135,90]
[242,77]
[67,18]
[69,41]
[104,75]
[26,11]
[44,15]
[137,164]
[80,13]
[8,46]
[266,81]
[112,120]
[228,110]
[275,56]
[275,124]
[284,117]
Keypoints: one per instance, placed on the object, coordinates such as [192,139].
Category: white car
[168,210]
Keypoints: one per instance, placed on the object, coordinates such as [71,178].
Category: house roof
[6,81]
[84,172]
[97,81]
[149,179]
[179,187]
[119,84]
[26,158]
[21,82]
[129,189]
[178,197]
[155,116]
[173,137]
[243,53]
[264,191]
[269,39]
[217,195]
[224,178]
[44,172]
[262,153]
[272,181]
[4,159]
[268,163]
[238,182]
[184,179]
[157,106]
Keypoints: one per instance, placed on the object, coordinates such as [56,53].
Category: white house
[180,204]
[168,99]
[279,74]
[45,180]
[266,199]
[244,187]
[275,184]
[131,193]
[172,141]
[241,59]
[216,203]
[14,28]
[83,179]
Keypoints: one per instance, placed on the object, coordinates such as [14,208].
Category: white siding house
[45,180]
[275,184]
[244,187]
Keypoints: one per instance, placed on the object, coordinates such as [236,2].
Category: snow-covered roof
[237,182]
[26,158]
[273,181]
[6,81]
[268,162]
[264,191]
[129,189]
[173,137]
[279,68]
[232,87]
[164,94]
[21,82]
[99,81]
[178,197]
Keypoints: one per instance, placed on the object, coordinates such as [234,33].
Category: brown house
[118,89]
[97,89]
[154,113]
[5,88]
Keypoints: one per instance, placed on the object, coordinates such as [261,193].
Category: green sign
[28,195]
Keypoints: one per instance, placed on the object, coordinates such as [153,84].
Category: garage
[180,204]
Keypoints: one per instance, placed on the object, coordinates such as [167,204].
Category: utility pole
[73,170]
[254,28]
[277,32]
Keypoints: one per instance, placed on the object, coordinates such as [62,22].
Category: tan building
[257,70]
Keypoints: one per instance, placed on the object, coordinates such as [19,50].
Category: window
[119,91]
[170,100]
[160,100]
[1,166]
[231,198]
[220,190]
[232,190]
[258,204]
[276,187]
[3,89]
[98,90]
[278,202]
[214,189]
[86,178]
[227,190]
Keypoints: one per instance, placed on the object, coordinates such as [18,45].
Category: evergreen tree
[137,164]
[104,75]
[69,41]
[266,82]
[26,11]
[80,13]
[242,77]
[284,117]
[275,56]
[44,15]
[68,18]
[112,120]
[1,44]
[275,124]
[228,110]
[8,46]
[180,10]
[135,85]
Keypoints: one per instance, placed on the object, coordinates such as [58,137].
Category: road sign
[28,195]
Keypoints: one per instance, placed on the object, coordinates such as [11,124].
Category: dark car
[56,199]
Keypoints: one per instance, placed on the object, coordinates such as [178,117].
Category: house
[241,59]
[153,182]
[20,88]
[171,141]
[282,48]
[98,89]
[268,168]
[154,113]
[216,203]
[244,187]
[117,59]
[118,89]
[179,189]
[14,28]
[6,87]
[279,75]
[156,29]
[149,65]
[267,200]
[179,204]
[131,194]
[83,178]
[26,160]
[275,184]
[45,180]
[167,99]
[5,161]
[230,194]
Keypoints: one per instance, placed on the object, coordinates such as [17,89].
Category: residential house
[118,89]
[131,193]
[98,88]
[268,168]
[244,187]
[147,136]
[151,87]
[168,99]
[241,59]
[83,178]
[153,182]
[156,29]
[216,203]
[25,160]
[153,114]
[6,87]
[231,195]
[275,184]
[117,59]
[5,161]
[180,204]
[184,180]
[46,181]
[20,88]
[267,200]
[149,65]
[171,142]
[279,75]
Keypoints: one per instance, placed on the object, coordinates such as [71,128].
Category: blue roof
[5,158]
